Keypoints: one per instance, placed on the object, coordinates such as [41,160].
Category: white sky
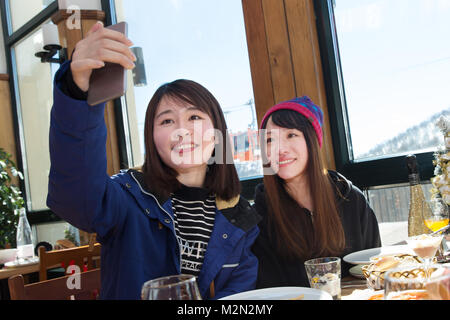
[395,57]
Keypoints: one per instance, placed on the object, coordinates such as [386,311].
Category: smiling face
[183,135]
[287,151]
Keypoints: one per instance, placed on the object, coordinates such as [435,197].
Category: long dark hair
[221,178]
[288,222]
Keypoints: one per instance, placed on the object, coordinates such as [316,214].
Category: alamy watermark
[74,20]
[196,147]
[74,280]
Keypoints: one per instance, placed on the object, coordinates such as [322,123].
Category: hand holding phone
[109,82]
[99,48]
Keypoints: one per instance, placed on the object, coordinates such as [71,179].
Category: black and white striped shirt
[194,216]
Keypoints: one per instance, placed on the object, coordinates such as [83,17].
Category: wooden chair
[80,256]
[63,288]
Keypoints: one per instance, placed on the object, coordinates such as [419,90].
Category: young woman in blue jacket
[180,213]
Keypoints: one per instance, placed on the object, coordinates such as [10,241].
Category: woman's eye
[291,135]
[269,140]
[195,117]
[166,121]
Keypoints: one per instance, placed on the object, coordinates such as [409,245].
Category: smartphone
[109,82]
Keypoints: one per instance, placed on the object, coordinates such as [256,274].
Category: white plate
[281,293]
[356,271]
[23,263]
[363,257]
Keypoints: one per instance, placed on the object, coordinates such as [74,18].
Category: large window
[199,40]
[34,99]
[21,11]
[395,67]
[385,68]
[386,64]
[31,95]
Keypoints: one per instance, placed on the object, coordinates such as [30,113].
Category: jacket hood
[344,185]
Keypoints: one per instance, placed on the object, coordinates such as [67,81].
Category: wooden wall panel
[258,56]
[303,62]
[287,30]
[7,140]
[307,64]
[279,51]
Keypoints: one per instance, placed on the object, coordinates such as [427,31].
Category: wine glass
[175,287]
[425,246]
[435,214]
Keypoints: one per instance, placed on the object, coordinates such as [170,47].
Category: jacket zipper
[173,222]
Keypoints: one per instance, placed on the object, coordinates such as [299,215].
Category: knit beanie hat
[305,107]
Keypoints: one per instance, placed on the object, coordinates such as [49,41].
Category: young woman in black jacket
[307,211]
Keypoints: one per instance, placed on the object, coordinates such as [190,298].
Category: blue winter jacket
[135,227]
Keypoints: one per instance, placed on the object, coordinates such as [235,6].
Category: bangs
[189,92]
[289,119]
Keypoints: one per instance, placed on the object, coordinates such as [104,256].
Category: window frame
[363,173]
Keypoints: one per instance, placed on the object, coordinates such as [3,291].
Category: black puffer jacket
[360,227]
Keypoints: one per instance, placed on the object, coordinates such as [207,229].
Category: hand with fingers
[101,45]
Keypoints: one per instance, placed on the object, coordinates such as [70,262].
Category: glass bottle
[24,237]
[416,223]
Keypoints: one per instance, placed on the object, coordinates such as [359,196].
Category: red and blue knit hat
[305,107]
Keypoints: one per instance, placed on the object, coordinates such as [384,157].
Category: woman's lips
[285,162]
[184,147]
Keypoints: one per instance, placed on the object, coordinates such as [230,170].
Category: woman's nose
[181,133]
[282,146]
[277,148]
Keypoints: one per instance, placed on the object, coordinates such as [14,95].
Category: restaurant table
[5,273]
[350,284]
[29,273]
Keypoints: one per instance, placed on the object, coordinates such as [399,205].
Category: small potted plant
[10,200]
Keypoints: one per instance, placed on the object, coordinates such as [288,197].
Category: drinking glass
[435,214]
[175,287]
[325,274]
[415,283]
[438,286]
[405,283]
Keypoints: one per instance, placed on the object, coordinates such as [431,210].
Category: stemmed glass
[425,246]
[435,214]
[175,287]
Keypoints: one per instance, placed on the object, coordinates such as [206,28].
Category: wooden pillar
[69,34]
[7,139]
[285,57]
